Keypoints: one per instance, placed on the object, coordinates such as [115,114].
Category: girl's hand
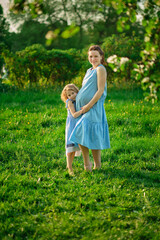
[85,109]
[81,112]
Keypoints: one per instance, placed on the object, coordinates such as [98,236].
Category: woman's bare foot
[70,171]
[97,167]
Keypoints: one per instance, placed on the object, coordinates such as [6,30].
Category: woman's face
[94,58]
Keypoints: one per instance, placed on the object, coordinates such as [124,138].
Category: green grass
[39,200]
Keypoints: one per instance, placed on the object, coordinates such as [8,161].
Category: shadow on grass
[32,97]
[128,94]
[137,176]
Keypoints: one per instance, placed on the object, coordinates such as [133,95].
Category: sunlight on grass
[39,200]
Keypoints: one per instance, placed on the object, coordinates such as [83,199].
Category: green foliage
[29,32]
[39,200]
[4,27]
[123,46]
[68,25]
[35,8]
[150,20]
[2,47]
[36,66]
[92,21]
[70,31]
[147,71]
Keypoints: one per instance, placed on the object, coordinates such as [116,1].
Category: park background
[43,46]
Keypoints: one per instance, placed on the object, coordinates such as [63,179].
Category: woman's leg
[85,153]
[70,157]
[97,158]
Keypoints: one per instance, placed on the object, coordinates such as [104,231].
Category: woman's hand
[85,108]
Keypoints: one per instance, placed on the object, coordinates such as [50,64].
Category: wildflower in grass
[28,122]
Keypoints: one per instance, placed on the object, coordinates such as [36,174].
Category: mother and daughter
[86,125]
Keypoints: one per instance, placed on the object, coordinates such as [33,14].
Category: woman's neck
[94,67]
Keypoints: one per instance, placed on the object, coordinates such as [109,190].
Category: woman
[91,130]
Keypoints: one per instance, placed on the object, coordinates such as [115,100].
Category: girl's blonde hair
[68,87]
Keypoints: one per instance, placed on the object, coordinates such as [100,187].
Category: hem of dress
[103,143]
[72,149]
[85,145]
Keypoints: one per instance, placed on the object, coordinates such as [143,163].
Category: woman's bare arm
[73,111]
[101,80]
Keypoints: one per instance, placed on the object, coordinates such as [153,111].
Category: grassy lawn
[39,200]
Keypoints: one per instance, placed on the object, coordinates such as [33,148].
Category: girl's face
[94,58]
[71,94]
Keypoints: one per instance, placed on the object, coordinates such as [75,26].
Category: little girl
[68,96]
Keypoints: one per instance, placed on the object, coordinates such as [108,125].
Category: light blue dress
[91,129]
[70,124]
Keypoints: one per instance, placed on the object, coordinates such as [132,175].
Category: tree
[30,32]
[80,21]
[88,13]
[148,69]
[3,36]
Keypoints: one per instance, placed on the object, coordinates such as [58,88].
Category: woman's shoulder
[101,68]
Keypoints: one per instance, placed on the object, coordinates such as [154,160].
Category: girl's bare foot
[88,168]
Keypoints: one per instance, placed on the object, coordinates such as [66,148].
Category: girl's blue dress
[70,124]
[91,129]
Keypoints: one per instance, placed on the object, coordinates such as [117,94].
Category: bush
[36,66]
[122,46]
[2,49]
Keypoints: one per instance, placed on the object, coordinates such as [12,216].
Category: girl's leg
[70,157]
[85,153]
[97,158]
